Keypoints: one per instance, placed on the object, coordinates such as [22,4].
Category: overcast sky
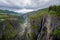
[24,6]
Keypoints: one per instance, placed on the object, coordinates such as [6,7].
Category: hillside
[45,24]
[10,24]
[11,14]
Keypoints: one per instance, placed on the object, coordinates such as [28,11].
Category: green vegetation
[8,19]
[39,14]
[56,34]
[8,32]
[34,27]
[36,19]
[32,36]
[5,14]
[52,10]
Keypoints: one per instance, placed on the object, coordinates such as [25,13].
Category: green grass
[47,11]
[56,34]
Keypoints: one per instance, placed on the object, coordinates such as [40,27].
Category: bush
[56,34]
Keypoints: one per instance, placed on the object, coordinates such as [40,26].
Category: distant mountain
[7,13]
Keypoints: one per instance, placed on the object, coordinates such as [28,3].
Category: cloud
[22,3]
[26,4]
[24,10]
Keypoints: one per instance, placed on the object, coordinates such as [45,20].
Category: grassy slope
[52,10]
[5,14]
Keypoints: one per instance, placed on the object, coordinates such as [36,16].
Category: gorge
[43,24]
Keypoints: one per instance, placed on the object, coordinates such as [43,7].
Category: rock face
[9,29]
[43,27]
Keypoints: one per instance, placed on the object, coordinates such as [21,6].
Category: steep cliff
[45,25]
[10,25]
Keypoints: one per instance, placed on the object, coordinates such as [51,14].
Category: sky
[24,6]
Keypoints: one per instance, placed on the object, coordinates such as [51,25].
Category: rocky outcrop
[43,27]
[9,29]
